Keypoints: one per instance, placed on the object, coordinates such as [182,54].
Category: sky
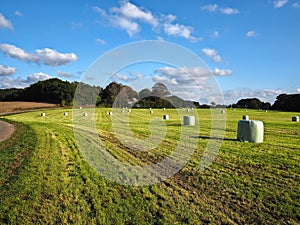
[251,47]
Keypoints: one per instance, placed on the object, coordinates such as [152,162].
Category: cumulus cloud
[213,54]
[18,53]
[232,96]
[52,57]
[279,3]
[47,56]
[251,33]
[6,70]
[8,82]
[5,23]
[185,82]
[130,17]
[131,11]
[180,31]
[223,10]
[222,72]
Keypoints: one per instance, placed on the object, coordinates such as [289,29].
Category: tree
[160,90]
[145,93]
[287,102]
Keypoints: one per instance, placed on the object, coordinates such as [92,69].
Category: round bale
[189,120]
[166,117]
[65,113]
[85,114]
[295,118]
[245,117]
[43,114]
[250,131]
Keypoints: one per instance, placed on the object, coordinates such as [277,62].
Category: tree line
[118,95]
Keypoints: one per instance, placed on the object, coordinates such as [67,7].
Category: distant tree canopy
[287,102]
[118,95]
[252,103]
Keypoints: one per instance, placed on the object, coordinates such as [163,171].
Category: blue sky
[252,47]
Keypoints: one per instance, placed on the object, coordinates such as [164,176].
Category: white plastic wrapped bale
[129,110]
[295,118]
[85,114]
[245,117]
[110,113]
[43,114]
[166,117]
[250,131]
[223,111]
[151,111]
[189,120]
[65,113]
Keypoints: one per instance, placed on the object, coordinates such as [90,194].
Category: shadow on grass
[214,138]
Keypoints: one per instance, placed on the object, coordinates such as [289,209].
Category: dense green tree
[287,102]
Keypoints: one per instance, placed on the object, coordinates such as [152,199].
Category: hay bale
[295,118]
[222,111]
[245,117]
[151,111]
[43,114]
[129,110]
[189,120]
[80,107]
[110,113]
[164,108]
[166,117]
[250,131]
[188,110]
[65,113]
[85,114]
[122,111]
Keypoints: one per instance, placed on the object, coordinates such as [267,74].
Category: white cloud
[6,70]
[5,23]
[132,76]
[51,57]
[129,26]
[100,41]
[279,3]
[215,34]
[210,8]
[298,89]
[18,13]
[64,74]
[130,17]
[131,11]
[220,72]
[213,54]
[47,56]
[18,53]
[223,10]
[180,31]
[33,78]
[19,82]
[251,33]
[296,5]
[185,82]
[229,11]
[232,96]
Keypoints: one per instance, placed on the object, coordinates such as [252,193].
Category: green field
[44,178]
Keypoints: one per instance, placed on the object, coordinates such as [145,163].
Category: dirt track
[6,130]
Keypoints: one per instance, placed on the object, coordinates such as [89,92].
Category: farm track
[54,184]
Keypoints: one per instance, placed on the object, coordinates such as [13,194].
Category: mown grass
[44,178]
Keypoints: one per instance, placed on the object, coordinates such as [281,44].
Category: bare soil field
[6,130]
[6,107]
